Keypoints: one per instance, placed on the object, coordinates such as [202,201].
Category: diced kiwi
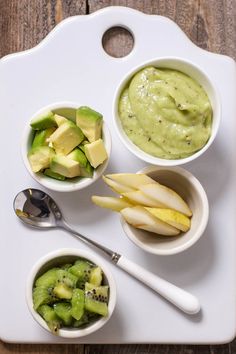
[50,316]
[48,279]
[96,298]
[63,291]
[88,317]
[67,278]
[81,269]
[63,311]
[77,303]
[42,295]
[96,276]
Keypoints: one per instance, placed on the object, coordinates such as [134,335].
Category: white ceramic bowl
[190,189]
[63,256]
[193,71]
[68,108]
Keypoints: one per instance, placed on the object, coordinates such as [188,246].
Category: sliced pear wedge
[117,187]
[115,204]
[131,180]
[166,196]
[140,218]
[171,217]
[139,198]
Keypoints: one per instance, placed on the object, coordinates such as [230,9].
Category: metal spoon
[38,209]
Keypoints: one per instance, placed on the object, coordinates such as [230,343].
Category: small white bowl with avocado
[167,111]
[66,146]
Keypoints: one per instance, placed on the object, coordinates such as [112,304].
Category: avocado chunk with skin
[96,152]
[66,137]
[40,158]
[41,136]
[43,121]
[86,169]
[65,166]
[90,122]
[54,175]
[60,119]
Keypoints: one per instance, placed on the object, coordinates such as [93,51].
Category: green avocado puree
[165,113]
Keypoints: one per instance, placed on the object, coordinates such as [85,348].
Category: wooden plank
[24,23]
[41,349]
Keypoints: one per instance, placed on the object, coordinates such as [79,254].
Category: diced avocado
[60,119]
[79,156]
[65,167]
[66,137]
[90,122]
[41,136]
[86,169]
[81,145]
[54,175]
[43,121]
[96,152]
[40,158]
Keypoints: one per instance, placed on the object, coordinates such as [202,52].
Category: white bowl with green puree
[167,111]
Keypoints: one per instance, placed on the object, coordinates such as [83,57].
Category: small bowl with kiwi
[66,146]
[71,293]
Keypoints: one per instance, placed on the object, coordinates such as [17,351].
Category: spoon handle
[179,297]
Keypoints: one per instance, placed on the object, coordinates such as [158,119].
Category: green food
[86,170]
[90,123]
[165,113]
[40,157]
[58,145]
[50,316]
[43,121]
[65,166]
[71,295]
[95,152]
[54,175]
[41,136]
[66,137]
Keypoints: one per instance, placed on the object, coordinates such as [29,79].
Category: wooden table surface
[211,24]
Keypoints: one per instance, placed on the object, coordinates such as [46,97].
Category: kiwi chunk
[42,295]
[77,303]
[96,298]
[63,311]
[81,269]
[48,279]
[96,276]
[49,315]
[63,291]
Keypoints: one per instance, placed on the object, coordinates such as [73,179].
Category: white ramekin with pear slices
[66,146]
[164,210]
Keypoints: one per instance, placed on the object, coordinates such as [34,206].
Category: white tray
[70,64]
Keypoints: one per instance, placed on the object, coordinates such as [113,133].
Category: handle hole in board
[118,42]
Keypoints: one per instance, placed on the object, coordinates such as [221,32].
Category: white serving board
[70,64]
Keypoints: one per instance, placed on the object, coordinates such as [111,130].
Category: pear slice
[141,219]
[166,196]
[117,187]
[171,217]
[116,204]
[131,180]
[139,198]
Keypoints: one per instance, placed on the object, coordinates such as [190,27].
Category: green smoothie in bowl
[165,113]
